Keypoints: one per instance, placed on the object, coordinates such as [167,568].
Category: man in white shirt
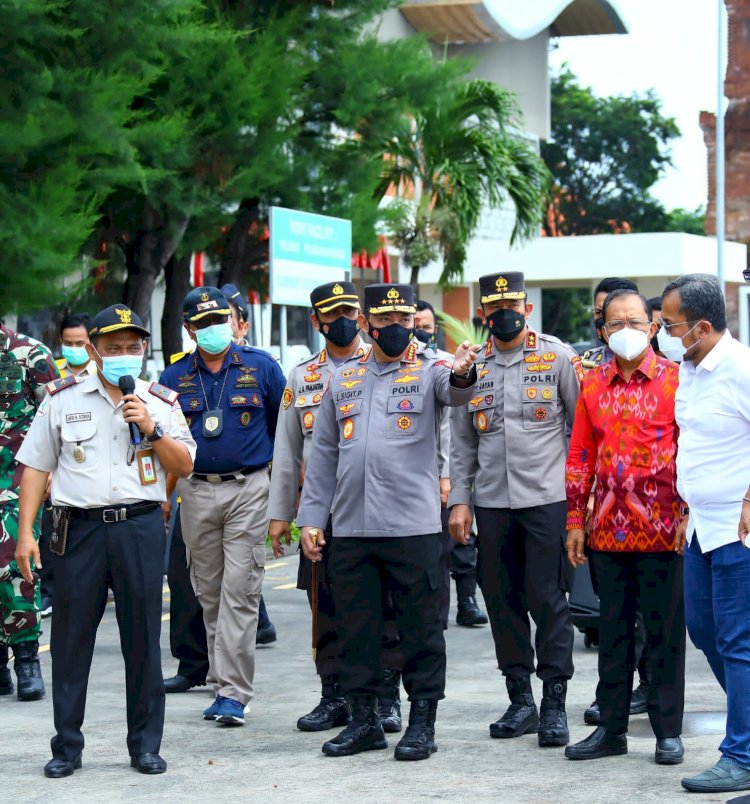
[712,409]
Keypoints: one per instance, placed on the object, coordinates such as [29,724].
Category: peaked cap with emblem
[390,299]
[325,298]
[114,319]
[497,287]
[201,302]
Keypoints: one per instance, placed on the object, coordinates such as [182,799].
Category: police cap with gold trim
[390,299]
[201,302]
[498,287]
[325,298]
[115,318]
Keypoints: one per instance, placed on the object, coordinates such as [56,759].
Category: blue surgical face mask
[75,355]
[214,339]
[120,366]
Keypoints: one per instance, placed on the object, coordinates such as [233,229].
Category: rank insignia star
[195,403]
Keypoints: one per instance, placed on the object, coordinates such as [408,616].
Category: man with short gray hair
[712,409]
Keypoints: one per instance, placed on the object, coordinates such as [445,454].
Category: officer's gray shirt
[374,462]
[299,408]
[509,442]
[444,438]
[84,415]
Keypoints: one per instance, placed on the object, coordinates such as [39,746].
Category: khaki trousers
[224,526]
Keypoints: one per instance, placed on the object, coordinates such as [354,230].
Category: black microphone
[127,386]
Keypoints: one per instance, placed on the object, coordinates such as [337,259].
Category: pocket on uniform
[78,445]
[191,404]
[482,420]
[404,425]
[257,570]
[537,414]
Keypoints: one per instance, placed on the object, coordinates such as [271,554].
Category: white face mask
[671,346]
[628,343]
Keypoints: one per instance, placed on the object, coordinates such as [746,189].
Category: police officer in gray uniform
[109,455]
[373,468]
[335,308]
[509,442]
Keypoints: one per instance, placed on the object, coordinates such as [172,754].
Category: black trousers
[459,561]
[327,660]
[46,573]
[187,633]
[653,583]
[365,572]
[522,569]
[128,557]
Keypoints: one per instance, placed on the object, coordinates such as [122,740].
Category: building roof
[461,21]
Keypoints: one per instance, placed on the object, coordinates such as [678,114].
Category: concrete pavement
[269,760]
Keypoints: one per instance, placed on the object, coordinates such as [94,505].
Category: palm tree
[461,151]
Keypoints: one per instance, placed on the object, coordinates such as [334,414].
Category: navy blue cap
[115,318]
[201,302]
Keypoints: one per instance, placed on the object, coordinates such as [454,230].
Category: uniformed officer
[335,308]
[25,367]
[74,335]
[109,455]
[373,469]
[230,395]
[509,443]
[240,322]
[459,560]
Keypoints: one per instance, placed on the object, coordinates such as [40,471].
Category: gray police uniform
[115,537]
[374,467]
[509,443]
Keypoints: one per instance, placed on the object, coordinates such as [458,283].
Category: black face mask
[599,327]
[340,332]
[392,339]
[655,342]
[506,325]
[427,338]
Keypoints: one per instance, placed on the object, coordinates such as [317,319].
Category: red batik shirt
[625,441]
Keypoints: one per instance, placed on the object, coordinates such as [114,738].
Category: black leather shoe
[419,740]
[600,743]
[521,717]
[148,763]
[59,768]
[553,721]
[265,636]
[593,716]
[364,733]
[639,700]
[28,671]
[469,614]
[669,751]
[180,683]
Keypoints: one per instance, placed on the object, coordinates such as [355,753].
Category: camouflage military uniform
[597,356]
[25,367]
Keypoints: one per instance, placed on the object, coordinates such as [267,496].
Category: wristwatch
[157,434]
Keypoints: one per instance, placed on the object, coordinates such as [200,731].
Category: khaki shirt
[299,406]
[374,461]
[79,413]
[510,441]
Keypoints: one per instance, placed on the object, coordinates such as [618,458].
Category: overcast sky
[671,48]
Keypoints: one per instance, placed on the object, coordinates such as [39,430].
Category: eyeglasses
[631,323]
[676,324]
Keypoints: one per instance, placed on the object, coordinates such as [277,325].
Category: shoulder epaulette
[531,340]
[58,385]
[164,393]
[177,356]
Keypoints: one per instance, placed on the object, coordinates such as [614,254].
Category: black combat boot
[28,671]
[418,741]
[389,701]
[330,712]
[521,717]
[6,682]
[364,732]
[469,613]
[553,722]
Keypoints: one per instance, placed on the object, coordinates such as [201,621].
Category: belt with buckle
[112,514]
[225,477]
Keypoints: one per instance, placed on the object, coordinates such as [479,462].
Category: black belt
[225,477]
[118,514]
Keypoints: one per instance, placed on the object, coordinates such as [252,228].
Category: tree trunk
[241,247]
[414,278]
[177,276]
[155,244]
